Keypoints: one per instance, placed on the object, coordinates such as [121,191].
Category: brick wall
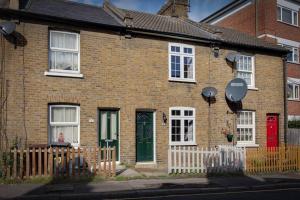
[130,74]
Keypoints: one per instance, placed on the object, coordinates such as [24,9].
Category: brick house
[108,76]
[276,21]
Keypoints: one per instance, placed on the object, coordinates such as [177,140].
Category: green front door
[109,129]
[144,136]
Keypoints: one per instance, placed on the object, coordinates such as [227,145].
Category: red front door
[272,130]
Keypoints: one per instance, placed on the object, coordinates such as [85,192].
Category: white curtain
[103,125]
[113,125]
[63,40]
[70,114]
[70,133]
[57,114]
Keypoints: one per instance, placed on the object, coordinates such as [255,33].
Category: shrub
[294,124]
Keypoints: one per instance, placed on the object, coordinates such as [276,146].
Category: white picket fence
[192,159]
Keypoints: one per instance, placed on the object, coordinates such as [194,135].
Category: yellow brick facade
[130,74]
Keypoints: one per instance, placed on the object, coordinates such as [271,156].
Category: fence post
[45,161]
[15,164]
[40,161]
[33,162]
[83,160]
[27,162]
[51,162]
[68,162]
[21,164]
[73,161]
[113,160]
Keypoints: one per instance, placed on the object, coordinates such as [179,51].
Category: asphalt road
[276,194]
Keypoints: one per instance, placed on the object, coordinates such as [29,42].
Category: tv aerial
[236,90]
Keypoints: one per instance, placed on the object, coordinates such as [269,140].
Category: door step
[146,165]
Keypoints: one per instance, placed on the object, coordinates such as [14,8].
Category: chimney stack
[175,8]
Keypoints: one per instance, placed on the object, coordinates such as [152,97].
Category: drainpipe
[284,59]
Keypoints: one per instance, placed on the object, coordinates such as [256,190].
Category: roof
[129,20]
[222,11]
[166,24]
[71,10]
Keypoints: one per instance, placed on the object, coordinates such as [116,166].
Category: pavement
[148,187]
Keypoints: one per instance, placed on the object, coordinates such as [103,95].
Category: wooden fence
[275,159]
[293,136]
[60,162]
[186,159]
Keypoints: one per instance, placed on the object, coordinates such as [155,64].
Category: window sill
[296,26]
[182,81]
[247,145]
[253,88]
[291,62]
[63,74]
[182,144]
[297,100]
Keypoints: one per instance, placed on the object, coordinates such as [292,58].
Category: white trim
[182,55]
[252,86]
[290,5]
[63,74]
[119,125]
[64,123]
[253,126]
[77,50]
[231,13]
[182,118]
[292,10]
[295,96]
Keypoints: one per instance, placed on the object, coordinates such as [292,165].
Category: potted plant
[228,134]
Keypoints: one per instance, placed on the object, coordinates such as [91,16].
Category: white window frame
[77,50]
[293,50]
[182,118]
[292,11]
[65,123]
[253,126]
[252,85]
[181,54]
[295,96]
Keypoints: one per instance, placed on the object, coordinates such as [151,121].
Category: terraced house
[113,77]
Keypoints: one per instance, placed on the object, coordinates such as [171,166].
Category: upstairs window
[293,91]
[64,52]
[287,15]
[293,55]
[182,126]
[245,69]
[181,62]
[246,127]
[64,124]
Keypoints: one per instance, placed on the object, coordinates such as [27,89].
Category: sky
[199,8]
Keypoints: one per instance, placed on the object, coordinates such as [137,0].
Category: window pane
[286,15]
[295,18]
[63,40]
[188,50]
[296,92]
[175,66]
[278,13]
[175,49]
[188,130]
[103,125]
[52,59]
[176,112]
[290,91]
[57,114]
[64,61]
[176,131]
[70,114]
[113,125]
[75,61]
[296,54]
[290,56]
[188,67]
[246,76]
[64,134]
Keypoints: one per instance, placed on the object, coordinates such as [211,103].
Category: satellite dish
[236,90]
[209,92]
[232,57]
[7,28]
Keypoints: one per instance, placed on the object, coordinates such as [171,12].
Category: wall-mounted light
[216,51]
[164,118]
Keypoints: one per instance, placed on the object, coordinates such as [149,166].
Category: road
[276,194]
